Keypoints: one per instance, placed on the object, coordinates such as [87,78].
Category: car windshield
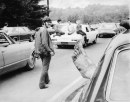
[120,88]
[3,40]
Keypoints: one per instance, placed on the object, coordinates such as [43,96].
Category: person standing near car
[80,31]
[44,47]
[79,28]
[71,28]
[58,28]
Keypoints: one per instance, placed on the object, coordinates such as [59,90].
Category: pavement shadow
[12,74]
[66,47]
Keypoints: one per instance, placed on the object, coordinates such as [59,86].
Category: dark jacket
[42,37]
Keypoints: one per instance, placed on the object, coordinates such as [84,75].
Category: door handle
[2,51]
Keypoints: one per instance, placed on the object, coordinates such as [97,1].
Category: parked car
[67,40]
[71,39]
[20,33]
[91,34]
[119,29]
[107,30]
[15,55]
[110,82]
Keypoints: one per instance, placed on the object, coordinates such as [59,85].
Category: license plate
[64,43]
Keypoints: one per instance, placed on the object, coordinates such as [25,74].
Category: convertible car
[71,39]
[111,81]
[15,55]
[65,39]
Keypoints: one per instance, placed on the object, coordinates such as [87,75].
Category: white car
[66,39]
[71,39]
[90,34]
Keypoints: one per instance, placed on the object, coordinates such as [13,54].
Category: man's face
[48,24]
[69,22]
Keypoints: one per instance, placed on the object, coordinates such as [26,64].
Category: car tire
[95,41]
[31,39]
[59,46]
[31,62]
[86,42]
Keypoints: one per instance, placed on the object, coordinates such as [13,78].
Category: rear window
[120,88]
[108,26]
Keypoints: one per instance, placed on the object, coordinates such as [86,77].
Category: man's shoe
[47,82]
[42,86]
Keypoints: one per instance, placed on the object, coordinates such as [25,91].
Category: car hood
[68,37]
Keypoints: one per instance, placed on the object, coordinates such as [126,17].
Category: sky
[82,3]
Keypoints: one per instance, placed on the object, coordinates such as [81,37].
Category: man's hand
[36,54]
[52,53]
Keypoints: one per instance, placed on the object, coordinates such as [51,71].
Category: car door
[90,34]
[2,43]
[1,59]
[13,53]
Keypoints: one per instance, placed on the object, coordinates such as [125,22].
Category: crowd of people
[70,29]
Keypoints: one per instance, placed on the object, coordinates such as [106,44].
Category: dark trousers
[60,33]
[44,75]
[81,32]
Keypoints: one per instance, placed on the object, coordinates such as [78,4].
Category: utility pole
[47,7]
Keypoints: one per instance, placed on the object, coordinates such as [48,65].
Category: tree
[73,18]
[22,13]
[92,13]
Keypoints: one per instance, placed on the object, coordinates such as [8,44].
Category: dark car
[111,82]
[109,29]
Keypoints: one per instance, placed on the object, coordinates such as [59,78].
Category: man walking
[44,47]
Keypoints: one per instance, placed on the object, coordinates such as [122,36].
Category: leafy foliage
[22,13]
[92,13]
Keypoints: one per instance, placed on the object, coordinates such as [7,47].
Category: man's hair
[125,24]
[46,19]
[58,20]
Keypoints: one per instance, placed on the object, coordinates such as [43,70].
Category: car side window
[3,39]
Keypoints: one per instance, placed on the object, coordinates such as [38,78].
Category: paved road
[22,86]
